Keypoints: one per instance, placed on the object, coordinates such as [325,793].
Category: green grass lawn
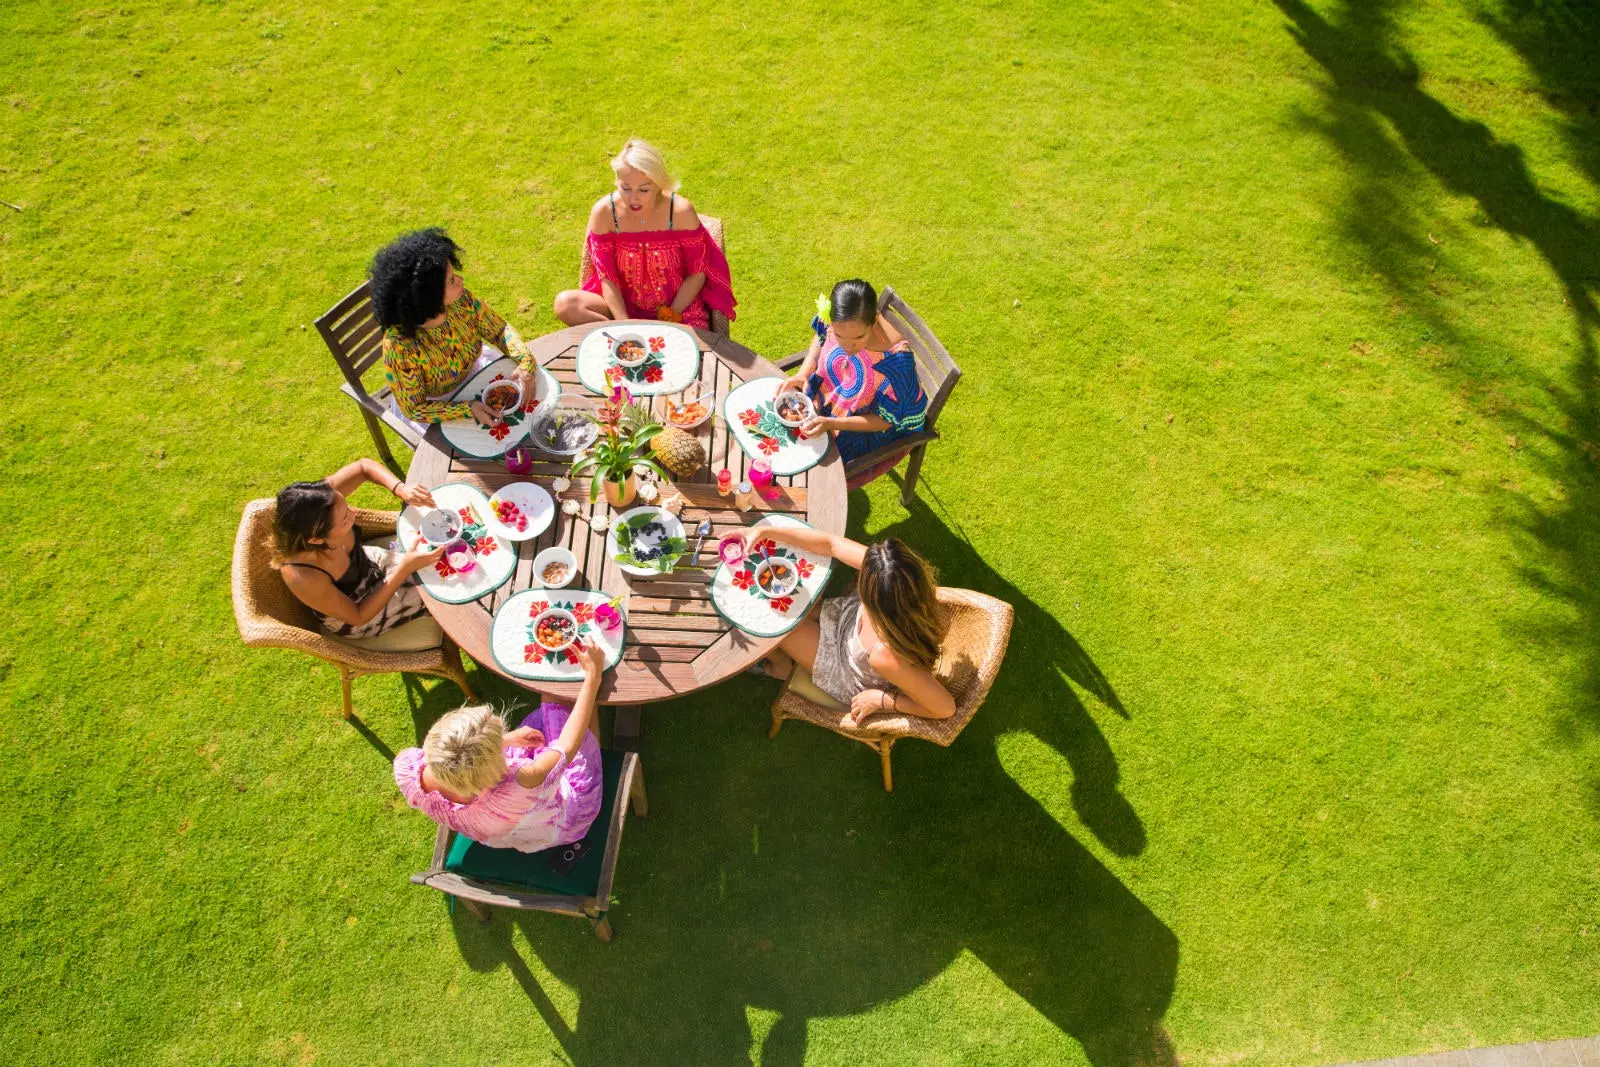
[1279,430]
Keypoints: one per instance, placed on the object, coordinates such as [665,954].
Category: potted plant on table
[626,430]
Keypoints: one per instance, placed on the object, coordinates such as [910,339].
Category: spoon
[703,531]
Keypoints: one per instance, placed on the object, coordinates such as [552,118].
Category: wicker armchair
[974,646]
[713,225]
[270,616]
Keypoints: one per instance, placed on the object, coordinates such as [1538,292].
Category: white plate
[496,557]
[672,362]
[479,442]
[533,501]
[674,528]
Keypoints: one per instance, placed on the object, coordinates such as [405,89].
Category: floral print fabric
[884,384]
[650,267]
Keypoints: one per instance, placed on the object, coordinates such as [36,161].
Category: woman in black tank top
[355,590]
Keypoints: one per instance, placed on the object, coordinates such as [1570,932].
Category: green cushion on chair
[531,870]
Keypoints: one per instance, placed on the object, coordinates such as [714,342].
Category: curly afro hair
[408,278]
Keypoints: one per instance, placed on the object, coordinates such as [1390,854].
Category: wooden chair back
[353,334]
[936,369]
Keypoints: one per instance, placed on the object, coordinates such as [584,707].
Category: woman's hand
[481,412]
[525,737]
[529,382]
[414,495]
[418,558]
[817,425]
[666,314]
[796,384]
[592,658]
[867,702]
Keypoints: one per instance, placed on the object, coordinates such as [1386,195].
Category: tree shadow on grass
[775,884]
[1382,121]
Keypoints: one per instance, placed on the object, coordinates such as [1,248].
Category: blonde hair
[465,749]
[641,155]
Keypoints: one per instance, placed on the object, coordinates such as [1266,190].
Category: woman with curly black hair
[436,333]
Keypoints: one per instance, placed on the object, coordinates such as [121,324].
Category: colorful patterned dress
[558,811]
[424,369]
[650,267]
[868,383]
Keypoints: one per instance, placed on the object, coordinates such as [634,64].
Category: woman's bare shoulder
[684,216]
[600,216]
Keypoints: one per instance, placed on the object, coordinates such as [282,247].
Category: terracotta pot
[621,494]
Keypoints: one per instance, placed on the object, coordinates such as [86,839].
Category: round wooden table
[676,641]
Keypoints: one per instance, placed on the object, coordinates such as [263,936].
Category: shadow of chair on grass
[772,887]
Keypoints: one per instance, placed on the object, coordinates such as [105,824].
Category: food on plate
[630,351]
[793,408]
[554,573]
[510,515]
[687,414]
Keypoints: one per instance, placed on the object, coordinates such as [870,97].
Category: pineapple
[678,451]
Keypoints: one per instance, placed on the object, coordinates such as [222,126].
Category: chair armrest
[790,362]
[893,448]
[619,816]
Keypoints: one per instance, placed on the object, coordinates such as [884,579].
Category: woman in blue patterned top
[860,374]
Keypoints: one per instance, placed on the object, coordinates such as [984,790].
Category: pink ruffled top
[649,268]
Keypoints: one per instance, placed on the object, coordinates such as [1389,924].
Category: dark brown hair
[899,590]
[305,511]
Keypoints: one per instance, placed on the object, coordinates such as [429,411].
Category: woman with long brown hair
[873,650]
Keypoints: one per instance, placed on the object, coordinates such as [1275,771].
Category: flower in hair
[824,308]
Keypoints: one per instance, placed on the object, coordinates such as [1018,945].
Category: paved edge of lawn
[1573,1052]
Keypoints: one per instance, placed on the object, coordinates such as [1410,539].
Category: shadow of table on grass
[775,884]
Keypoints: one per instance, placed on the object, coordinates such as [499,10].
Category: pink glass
[519,460]
[460,558]
[724,482]
[607,616]
[731,549]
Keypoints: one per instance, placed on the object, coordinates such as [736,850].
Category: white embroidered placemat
[511,637]
[673,359]
[737,598]
[487,442]
[494,557]
[748,412]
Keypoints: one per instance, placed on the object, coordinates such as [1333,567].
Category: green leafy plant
[625,431]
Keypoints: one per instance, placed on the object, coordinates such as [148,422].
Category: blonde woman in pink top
[512,789]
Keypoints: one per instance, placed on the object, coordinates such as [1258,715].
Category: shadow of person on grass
[775,891]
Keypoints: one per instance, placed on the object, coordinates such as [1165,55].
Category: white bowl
[502,384]
[621,336]
[778,589]
[554,554]
[810,409]
[568,409]
[439,527]
[559,613]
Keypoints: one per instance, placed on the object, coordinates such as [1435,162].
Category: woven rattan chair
[713,225]
[979,627]
[480,876]
[355,338]
[938,374]
[270,616]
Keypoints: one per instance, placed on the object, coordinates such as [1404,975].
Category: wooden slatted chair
[938,374]
[355,338]
[269,616]
[481,877]
[979,628]
[713,225]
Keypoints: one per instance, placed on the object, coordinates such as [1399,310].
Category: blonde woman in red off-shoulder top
[652,258]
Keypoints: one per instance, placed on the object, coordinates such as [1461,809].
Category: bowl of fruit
[776,577]
[555,629]
[686,410]
[502,396]
[793,408]
[629,349]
